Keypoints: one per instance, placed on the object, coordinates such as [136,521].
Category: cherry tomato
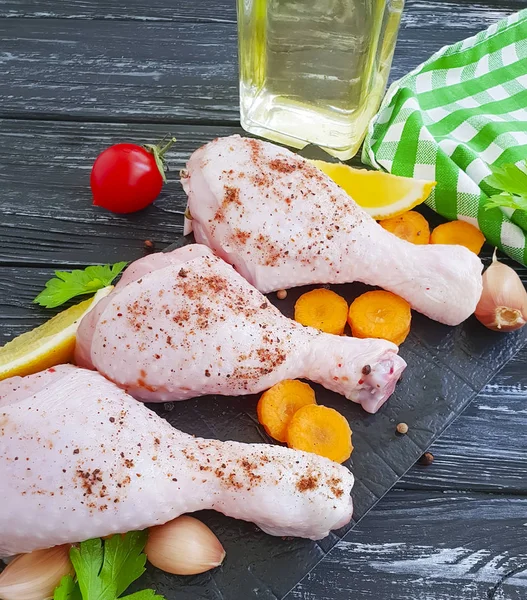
[128,177]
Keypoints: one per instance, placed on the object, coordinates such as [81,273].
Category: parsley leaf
[124,559]
[507,201]
[106,568]
[67,589]
[511,180]
[87,560]
[68,284]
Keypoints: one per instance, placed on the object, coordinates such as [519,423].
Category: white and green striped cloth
[459,112]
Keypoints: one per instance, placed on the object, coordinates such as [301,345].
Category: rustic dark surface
[78,75]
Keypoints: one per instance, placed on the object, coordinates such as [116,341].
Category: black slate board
[447,367]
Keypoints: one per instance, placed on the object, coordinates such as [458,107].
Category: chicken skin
[183,324]
[80,458]
[283,223]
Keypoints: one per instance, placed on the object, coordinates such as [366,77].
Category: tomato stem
[158,151]
[164,148]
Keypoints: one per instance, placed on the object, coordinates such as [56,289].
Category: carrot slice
[278,404]
[460,233]
[380,314]
[410,226]
[322,309]
[320,430]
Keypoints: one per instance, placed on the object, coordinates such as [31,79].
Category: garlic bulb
[503,303]
[184,546]
[35,576]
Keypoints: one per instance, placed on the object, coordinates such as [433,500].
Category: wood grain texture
[18,288]
[181,71]
[225,10]
[96,69]
[428,546]
[46,212]
[155,10]
[485,448]
[442,541]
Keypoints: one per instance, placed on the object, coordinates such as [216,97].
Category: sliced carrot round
[380,314]
[278,404]
[322,309]
[410,226]
[460,233]
[320,430]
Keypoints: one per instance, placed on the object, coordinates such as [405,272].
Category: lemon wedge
[381,195]
[50,344]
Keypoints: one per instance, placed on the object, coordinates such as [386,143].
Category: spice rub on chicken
[79,459]
[283,223]
[184,324]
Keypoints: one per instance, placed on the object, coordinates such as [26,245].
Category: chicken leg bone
[184,324]
[79,459]
[283,223]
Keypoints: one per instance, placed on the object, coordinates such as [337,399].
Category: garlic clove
[507,319]
[35,576]
[184,546]
[503,303]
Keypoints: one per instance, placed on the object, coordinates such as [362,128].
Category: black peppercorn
[427,459]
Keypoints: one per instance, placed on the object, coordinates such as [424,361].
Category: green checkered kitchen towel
[459,112]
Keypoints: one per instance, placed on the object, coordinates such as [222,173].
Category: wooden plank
[96,69]
[225,10]
[166,10]
[428,546]
[437,543]
[46,213]
[17,291]
[19,286]
[485,448]
[181,71]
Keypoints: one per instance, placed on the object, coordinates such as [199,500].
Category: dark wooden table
[78,75]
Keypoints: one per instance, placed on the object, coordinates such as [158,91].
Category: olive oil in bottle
[314,71]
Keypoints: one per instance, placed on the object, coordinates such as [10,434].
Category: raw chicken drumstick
[79,458]
[283,223]
[185,324]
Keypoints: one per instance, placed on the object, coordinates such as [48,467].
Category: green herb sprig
[104,569]
[68,284]
[512,180]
